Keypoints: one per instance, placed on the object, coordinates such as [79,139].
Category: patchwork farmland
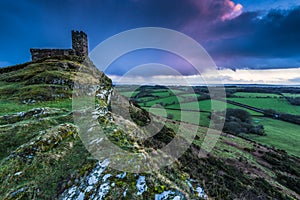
[269,107]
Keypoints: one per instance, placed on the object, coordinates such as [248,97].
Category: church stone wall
[79,48]
[37,54]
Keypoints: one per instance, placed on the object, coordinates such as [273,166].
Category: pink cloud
[234,10]
[211,13]
[218,9]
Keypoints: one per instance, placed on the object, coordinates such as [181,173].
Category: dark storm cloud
[275,35]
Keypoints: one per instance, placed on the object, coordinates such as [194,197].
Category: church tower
[80,43]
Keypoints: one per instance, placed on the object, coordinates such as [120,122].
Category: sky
[257,36]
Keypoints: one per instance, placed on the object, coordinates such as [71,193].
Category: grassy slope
[31,168]
[280,134]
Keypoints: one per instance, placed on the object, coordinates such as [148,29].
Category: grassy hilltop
[43,157]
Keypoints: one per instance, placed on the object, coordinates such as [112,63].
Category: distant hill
[42,156]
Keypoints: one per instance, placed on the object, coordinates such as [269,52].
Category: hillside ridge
[43,157]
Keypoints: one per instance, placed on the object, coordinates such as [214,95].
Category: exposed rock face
[94,184]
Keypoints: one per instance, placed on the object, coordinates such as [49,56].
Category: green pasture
[128,94]
[291,95]
[162,94]
[280,105]
[200,118]
[166,100]
[280,134]
[189,95]
[206,106]
[158,93]
[254,95]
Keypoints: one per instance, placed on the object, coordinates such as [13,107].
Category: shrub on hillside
[294,101]
[170,116]
[240,114]
[239,121]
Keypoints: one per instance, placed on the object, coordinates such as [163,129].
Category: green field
[260,100]
[162,94]
[290,95]
[147,99]
[128,94]
[166,90]
[205,105]
[190,117]
[280,105]
[254,95]
[155,94]
[280,134]
[189,95]
[167,100]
